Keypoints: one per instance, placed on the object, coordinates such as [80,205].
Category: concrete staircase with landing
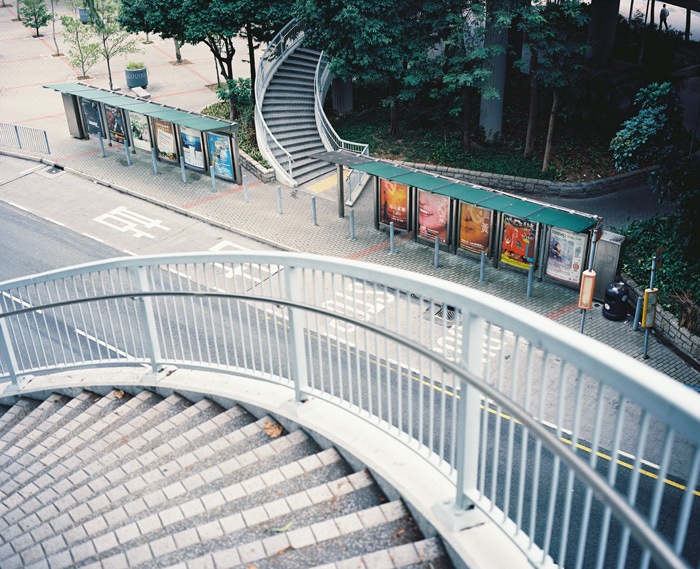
[288,109]
[122,480]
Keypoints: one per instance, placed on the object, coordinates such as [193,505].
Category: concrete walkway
[27,63]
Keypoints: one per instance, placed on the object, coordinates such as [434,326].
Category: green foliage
[114,40]
[647,138]
[36,14]
[246,128]
[678,273]
[83,52]
[135,65]
[237,90]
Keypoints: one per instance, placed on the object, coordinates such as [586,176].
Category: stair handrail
[131,292]
[276,51]
[322,80]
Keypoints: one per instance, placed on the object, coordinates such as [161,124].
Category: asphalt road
[34,244]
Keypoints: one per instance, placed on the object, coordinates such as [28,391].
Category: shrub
[135,65]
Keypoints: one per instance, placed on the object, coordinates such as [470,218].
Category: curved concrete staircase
[288,108]
[138,480]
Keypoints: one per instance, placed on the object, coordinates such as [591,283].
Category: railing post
[149,319]
[469,412]
[8,354]
[297,346]
[19,141]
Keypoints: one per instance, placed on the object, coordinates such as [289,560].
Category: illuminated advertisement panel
[565,255]
[220,160]
[191,144]
[518,246]
[393,200]
[433,216]
[115,124]
[165,140]
[140,131]
[474,228]
[91,114]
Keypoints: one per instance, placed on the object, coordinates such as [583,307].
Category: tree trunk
[466,118]
[53,27]
[532,114]
[393,109]
[601,31]
[233,110]
[109,67]
[251,60]
[178,55]
[550,130]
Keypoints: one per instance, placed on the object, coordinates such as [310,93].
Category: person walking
[663,15]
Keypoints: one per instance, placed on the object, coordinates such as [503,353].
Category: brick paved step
[33,444]
[130,459]
[16,413]
[69,458]
[146,481]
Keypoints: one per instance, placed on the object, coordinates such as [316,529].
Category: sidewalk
[27,64]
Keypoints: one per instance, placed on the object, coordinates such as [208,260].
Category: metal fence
[24,137]
[572,448]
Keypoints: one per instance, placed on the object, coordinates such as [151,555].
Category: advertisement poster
[140,131]
[393,198]
[220,161]
[91,113]
[565,255]
[115,124]
[191,143]
[474,228]
[165,140]
[433,215]
[518,242]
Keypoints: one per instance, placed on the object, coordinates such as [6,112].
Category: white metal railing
[322,81]
[577,448]
[24,137]
[276,51]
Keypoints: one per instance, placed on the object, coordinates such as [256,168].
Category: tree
[84,53]
[464,62]
[374,41]
[655,137]
[36,15]
[554,35]
[53,26]
[114,40]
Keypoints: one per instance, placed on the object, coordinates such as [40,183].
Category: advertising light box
[433,216]
[220,159]
[192,150]
[474,228]
[140,131]
[393,200]
[115,124]
[165,140]
[518,245]
[565,255]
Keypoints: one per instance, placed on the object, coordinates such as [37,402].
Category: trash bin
[615,306]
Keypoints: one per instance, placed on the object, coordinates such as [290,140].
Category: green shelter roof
[155,110]
[483,197]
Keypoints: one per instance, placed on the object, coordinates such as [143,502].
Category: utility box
[606,263]
[73,115]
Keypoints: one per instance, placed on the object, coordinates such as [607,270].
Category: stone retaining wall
[266,175]
[518,185]
[666,324]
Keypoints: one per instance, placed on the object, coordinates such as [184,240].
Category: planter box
[136,77]
[84,14]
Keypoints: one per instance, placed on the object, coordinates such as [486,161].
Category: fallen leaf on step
[119,394]
[285,527]
[252,566]
[272,430]
[283,551]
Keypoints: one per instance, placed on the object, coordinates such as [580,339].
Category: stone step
[161,482]
[129,460]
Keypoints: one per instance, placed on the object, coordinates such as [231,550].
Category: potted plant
[136,74]
[84,14]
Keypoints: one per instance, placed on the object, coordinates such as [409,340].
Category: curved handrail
[124,306]
[276,51]
[357,178]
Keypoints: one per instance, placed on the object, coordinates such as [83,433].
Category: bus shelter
[470,220]
[171,135]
